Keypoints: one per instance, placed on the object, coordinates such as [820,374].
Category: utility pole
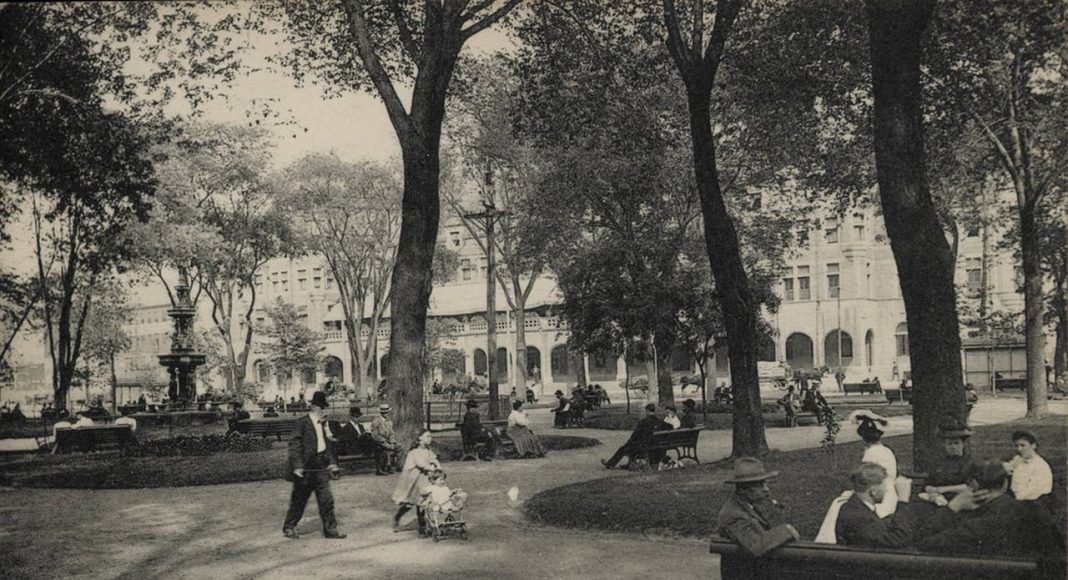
[488,217]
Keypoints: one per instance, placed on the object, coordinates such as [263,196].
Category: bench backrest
[93,436]
[258,426]
[804,560]
[678,436]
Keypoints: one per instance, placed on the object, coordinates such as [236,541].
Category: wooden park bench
[1007,383]
[265,427]
[808,560]
[682,441]
[862,387]
[92,438]
[498,430]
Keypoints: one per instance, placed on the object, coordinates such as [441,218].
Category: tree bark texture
[1034,310]
[664,390]
[924,261]
[736,300]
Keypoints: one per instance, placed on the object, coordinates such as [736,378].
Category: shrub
[203,445]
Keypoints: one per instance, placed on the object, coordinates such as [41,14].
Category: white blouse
[518,417]
[881,455]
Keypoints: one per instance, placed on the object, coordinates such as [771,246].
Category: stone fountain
[183,360]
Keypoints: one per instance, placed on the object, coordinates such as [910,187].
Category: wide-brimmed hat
[869,420]
[749,470]
[954,430]
[955,433]
[319,400]
[384,408]
[471,403]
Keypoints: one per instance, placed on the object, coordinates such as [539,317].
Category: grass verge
[114,471]
[686,501]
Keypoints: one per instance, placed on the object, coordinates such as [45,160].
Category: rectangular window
[317,282]
[285,285]
[804,284]
[329,282]
[454,236]
[902,345]
[302,283]
[972,231]
[787,289]
[974,269]
[830,230]
[858,227]
[833,288]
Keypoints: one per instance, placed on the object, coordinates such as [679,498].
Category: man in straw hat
[382,433]
[751,518]
[312,463]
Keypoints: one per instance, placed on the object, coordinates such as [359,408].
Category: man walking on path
[312,463]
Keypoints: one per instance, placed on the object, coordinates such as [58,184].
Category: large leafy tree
[350,214]
[106,334]
[386,46]
[291,347]
[1000,68]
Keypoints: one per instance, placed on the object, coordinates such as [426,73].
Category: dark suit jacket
[472,425]
[1003,526]
[689,419]
[353,440]
[643,431]
[756,533]
[858,525]
[303,444]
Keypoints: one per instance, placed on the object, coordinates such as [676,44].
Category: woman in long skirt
[419,463]
[526,442]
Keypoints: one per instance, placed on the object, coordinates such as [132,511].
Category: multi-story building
[840,294]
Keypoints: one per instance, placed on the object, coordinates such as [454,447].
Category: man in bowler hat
[751,518]
[312,464]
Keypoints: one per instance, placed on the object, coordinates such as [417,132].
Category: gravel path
[234,531]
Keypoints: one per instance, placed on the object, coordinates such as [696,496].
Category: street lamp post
[488,217]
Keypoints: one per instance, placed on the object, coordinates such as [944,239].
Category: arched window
[533,361]
[869,348]
[263,372]
[830,349]
[333,369]
[480,362]
[502,364]
[799,351]
[901,337]
[560,361]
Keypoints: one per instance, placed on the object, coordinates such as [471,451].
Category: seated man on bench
[353,438]
[386,447]
[637,446]
[750,517]
[473,433]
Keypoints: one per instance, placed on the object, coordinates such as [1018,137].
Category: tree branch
[405,31]
[488,20]
[675,45]
[379,77]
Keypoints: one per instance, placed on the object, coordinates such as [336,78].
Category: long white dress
[880,454]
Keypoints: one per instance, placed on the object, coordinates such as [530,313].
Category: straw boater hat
[869,420]
[750,470]
[384,408]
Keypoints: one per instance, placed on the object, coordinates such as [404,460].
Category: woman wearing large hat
[751,518]
[871,428]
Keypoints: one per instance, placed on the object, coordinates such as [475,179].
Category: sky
[354,126]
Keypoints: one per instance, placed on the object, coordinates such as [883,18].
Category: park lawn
[686,501]
[114,471]
[615,417]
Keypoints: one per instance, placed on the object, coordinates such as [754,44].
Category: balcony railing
[461,329]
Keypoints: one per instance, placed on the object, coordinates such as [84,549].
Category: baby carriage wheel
[463,534]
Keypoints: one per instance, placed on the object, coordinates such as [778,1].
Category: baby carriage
[446,520]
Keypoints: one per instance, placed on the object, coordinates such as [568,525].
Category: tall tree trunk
[114,383]
[520,345]
[923,258]
[736,300]
[412,278]
[1034,308]
[665,393]
[1060,310]
[357,362]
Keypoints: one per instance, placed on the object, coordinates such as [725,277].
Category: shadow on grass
[686,501]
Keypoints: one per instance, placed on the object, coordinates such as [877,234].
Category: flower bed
[203,445]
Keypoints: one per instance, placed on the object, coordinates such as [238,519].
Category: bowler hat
[749,470]
[355,411]
[319,400]
[471,403]
[384,408]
